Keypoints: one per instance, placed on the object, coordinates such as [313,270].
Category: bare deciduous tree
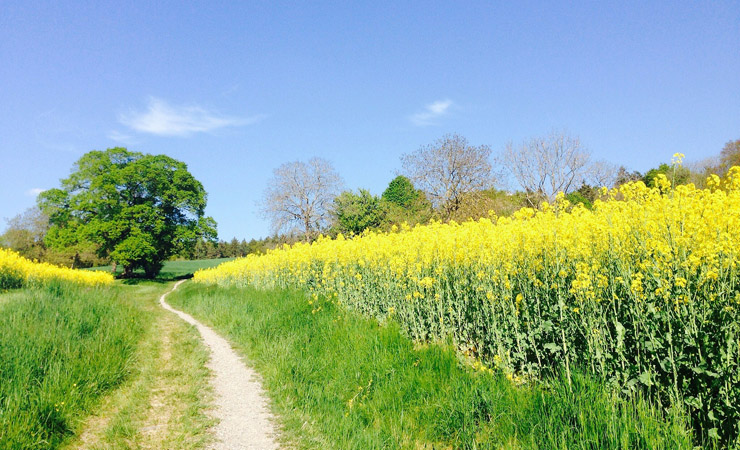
[449,169]
[300,195]
[601,173]
[730,156]
[548,165]
[25,233]
[625,176]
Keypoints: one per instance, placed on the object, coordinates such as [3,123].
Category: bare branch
[299,196]
[601,174]
[449,169]
[546,166]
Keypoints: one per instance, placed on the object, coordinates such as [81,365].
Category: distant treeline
[234,248]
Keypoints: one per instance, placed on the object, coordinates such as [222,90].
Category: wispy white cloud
[431,112]
[163,119]
[34,192]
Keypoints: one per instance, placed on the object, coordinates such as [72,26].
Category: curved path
[240,404]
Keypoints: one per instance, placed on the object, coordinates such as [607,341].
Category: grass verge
[340,381]
[62,347]
[99,368]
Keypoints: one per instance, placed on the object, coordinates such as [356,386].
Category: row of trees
[212,249]
[452,179]
[138,210]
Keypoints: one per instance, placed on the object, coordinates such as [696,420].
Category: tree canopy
[677,174]
[544,166]
[25,233]
[354,213]
[401,192]
[730,156]
[137,209]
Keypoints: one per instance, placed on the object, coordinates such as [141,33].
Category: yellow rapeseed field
[641,291]
[17,271]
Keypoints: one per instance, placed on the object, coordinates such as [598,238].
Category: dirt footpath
[240,405]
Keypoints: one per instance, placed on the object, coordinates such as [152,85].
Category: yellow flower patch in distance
[17,271]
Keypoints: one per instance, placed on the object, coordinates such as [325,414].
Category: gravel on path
[240,403]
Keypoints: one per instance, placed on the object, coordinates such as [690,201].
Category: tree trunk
[307,225]
[114,266]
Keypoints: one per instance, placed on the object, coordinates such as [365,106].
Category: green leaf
[547,326]
[646,378]
[554,348]
[693,401]
[620,333]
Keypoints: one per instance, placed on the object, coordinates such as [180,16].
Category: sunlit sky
[235,89]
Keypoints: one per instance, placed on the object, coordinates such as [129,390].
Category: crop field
[17,271]
[640,292]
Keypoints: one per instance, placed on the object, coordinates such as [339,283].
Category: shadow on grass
[172,271]
[163,277]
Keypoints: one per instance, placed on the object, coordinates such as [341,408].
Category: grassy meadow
[62,348]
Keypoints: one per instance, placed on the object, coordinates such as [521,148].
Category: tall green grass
[341,381]
[61,348]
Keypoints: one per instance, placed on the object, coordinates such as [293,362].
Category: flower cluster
[17,271]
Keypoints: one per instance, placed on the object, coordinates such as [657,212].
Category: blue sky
[235,89]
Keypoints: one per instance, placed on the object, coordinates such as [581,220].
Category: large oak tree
[137,209]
